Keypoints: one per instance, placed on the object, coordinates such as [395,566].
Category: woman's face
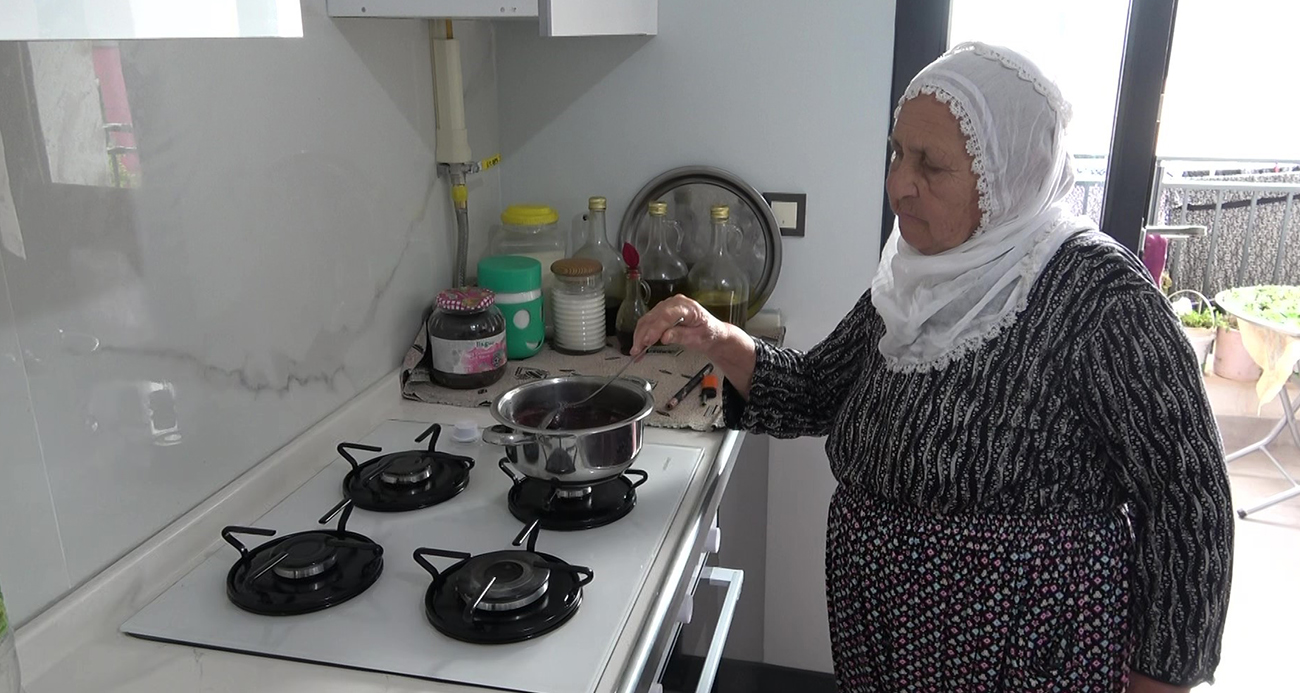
[930,184]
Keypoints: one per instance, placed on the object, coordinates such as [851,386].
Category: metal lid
[658,209]
[468,300]
[720,212]
[596,204]
[576,267]
[510,274]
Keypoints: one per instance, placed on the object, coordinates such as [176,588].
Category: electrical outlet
[790,209]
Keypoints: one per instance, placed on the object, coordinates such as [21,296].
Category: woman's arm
[681,321]
[785,393]
[1142,393]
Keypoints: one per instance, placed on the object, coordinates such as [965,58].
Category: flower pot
[1202,338]
[1231,359]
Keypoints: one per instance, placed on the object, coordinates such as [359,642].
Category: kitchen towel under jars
[667,369]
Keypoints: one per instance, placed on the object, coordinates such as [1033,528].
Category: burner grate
[502,596]
[303,572]
[569,508]
[407,480]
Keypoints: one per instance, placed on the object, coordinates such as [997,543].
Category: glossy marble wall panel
[268,233]
[32,569]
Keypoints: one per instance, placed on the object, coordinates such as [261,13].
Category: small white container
[579,300]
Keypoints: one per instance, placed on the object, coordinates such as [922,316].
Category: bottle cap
[658,209]
[510,274]
[596,204]
[576,267]
[465,432]
[529,215]
[468,300]
[630,256]
[720,212]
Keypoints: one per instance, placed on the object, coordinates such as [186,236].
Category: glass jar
[717,282]
[633,309]
[467,339]
[531,231]
[517,283]
[579,300]
[662,268]
[596,247]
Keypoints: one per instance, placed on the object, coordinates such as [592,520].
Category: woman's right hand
[698,331]
[727,346]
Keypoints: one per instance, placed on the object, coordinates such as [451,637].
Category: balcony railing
[1247,211]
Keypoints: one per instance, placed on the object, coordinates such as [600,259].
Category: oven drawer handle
[733,579]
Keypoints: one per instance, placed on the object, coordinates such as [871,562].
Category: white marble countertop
[75,646]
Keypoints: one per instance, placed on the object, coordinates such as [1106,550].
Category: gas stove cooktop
[454,580]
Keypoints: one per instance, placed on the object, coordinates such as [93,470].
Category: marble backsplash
[257,252]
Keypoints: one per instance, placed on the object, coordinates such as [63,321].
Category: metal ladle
[551,417]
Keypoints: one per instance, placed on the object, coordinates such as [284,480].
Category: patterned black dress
[1044,514]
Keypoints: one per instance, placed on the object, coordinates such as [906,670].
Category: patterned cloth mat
[666,368]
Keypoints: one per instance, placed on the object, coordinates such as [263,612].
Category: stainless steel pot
[572,456]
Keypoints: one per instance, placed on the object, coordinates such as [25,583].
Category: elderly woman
[1031,488]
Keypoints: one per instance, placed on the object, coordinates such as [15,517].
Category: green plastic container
[517,282]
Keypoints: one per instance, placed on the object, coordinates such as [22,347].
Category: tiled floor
[1259,648]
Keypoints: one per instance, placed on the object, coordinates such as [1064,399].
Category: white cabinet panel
[599,17]
[555,17]
[37,20]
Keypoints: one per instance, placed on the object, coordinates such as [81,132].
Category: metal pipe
[1214,241]
[1223,159]
[1231,186]
[460,200]
[1157,189]
[1180,249]
[1244,262]
[1281,239]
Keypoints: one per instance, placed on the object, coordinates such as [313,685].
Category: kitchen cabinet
[71,20]
[554,17]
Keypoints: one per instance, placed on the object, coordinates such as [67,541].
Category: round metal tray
[689,191]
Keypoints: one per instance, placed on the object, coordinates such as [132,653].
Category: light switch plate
[790,209]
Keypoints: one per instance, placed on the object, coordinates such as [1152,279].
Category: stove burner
[408,468]
[503,596]
[569,508]
[407,480]
[303,572]
[502,581]
[564,493]
[305,555]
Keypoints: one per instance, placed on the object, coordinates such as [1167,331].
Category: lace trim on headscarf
[1048,89]
[974,147]
[984,185]
[1027,269]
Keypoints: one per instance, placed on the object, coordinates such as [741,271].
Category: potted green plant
[1275,307]
[1199,321]
[1231,360]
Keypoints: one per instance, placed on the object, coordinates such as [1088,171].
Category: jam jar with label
[467,339]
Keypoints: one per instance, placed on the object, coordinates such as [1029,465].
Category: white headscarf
[937,308]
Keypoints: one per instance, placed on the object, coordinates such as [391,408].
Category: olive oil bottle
[662,268]
[717,282]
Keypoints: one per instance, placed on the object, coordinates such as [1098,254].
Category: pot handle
[502,436]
